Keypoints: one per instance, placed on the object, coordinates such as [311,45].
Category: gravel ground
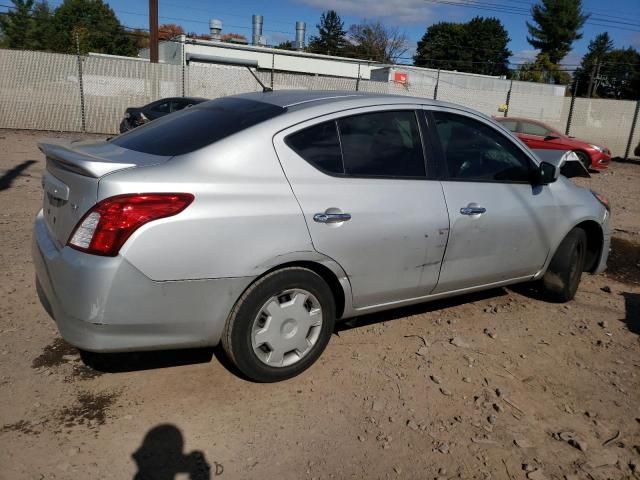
[493,385]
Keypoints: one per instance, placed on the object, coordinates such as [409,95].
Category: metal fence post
[633,127]
[358,79]
[273,64]
[573,101]
[506,110]
[79,57]
[435,90]
[182,41]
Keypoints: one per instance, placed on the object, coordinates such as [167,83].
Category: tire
[562,278]
[584,158]
[288,294]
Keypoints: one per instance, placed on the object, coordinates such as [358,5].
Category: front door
[362,184]
[535,135]
[498,218]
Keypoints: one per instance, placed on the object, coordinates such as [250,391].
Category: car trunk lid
[72,175]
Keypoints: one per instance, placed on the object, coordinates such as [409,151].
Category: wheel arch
[329,270]
[595,242]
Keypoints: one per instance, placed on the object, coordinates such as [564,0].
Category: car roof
[300,99]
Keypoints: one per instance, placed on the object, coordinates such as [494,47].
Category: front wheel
[562,278]
[280,325]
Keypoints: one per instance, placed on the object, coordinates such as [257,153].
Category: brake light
[104,229]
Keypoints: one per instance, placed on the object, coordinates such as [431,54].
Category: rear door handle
[472,210]
[331,217]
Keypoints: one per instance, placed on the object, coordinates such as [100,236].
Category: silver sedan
[258,220]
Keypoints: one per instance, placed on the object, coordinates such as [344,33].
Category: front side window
[529,128]
[475,151]
[382,144]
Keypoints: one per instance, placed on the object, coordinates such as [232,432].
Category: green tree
[589,72]
[374,41]
[331,39]
[286,45]
[542,70]
[42,34]
[619,76]
[16,24]
[27,25]
[557,25]
[97,25]
[478,46]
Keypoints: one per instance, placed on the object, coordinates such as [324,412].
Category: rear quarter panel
[243,218]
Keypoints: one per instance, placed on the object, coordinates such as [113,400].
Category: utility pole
[153,31]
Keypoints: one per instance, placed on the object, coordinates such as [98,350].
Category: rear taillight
[104,229]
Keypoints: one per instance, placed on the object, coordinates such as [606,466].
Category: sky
[621,18]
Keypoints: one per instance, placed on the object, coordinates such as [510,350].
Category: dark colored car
[537,135]
[136,116]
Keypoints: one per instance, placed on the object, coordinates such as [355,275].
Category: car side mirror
[548,138]
[545,174]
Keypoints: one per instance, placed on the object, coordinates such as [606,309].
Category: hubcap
[286,328]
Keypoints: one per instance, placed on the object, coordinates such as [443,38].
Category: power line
[523,12]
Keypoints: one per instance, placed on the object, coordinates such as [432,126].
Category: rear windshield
[196,127]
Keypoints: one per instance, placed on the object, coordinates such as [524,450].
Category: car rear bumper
[104,304]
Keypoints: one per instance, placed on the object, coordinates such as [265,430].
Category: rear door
[361,181]
[499,220]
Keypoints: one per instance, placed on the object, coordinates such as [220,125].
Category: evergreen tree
[331,39]
[16,24]
[591,64]
[95,23]
[478,46]
[557,26]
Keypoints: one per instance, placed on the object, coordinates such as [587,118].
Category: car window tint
[509,124]
[533,129]
[163,107]
[196,127]
[475,151]
[382,144]
[318,145]
[177,105]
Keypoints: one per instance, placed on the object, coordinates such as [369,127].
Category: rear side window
[161,107]
[475,151]
[381,144]
[193,128]
[319,145]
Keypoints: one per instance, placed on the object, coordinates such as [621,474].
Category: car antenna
[264,87]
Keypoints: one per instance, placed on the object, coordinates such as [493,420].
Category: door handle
[331,217]
[472,210]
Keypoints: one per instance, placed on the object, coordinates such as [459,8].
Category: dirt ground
[496,385]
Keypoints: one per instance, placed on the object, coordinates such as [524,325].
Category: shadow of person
[8,177]
[632,311]
[160,457]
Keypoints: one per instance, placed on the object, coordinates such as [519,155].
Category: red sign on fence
[400,77]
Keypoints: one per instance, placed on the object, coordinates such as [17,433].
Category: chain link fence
[49,91]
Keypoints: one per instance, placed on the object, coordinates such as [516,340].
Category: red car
[538,135]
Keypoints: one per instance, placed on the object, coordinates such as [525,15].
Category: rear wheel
[585,159]
[280,325]
[562,278]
